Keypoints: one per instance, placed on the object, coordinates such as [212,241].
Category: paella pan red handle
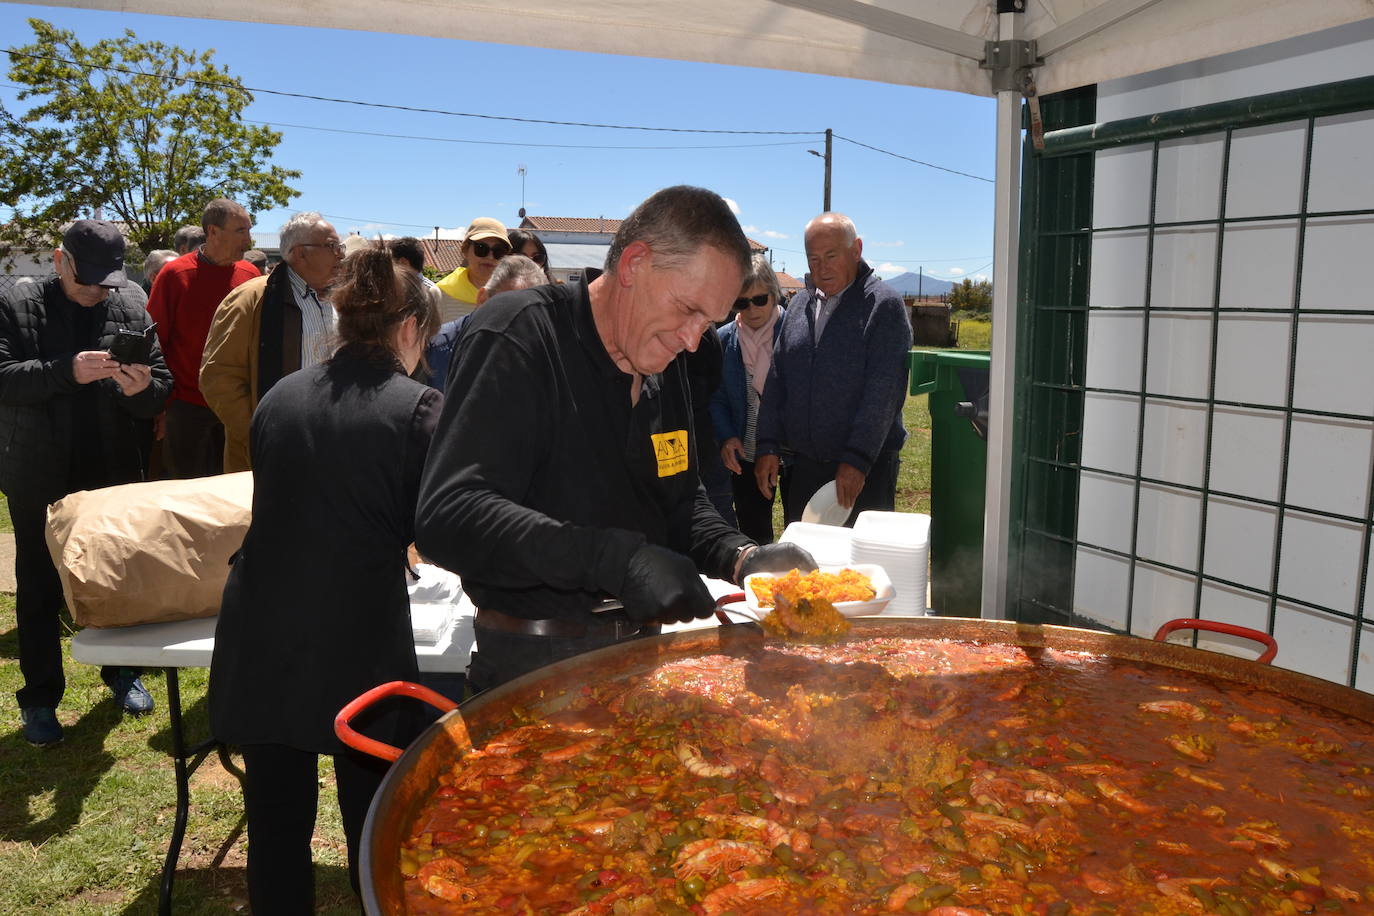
[360,742]
[1216,626]
[722,601]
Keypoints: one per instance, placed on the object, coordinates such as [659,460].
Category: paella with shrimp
[899,775]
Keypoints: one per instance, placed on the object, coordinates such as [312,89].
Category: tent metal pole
[1005,246]
[1090,23]
[897,25]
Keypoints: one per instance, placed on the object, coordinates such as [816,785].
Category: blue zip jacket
[439,352]
[729,409]
[840,401]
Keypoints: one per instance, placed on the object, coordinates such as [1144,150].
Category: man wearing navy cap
[72,417]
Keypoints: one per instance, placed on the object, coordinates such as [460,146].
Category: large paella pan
[953,767]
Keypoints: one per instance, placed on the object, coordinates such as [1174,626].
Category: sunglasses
[482,249]
[757,302]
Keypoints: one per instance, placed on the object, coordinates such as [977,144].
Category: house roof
[443,254]
[570,223]
[788,282]
[589,224]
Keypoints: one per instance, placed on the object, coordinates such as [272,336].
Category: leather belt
[613,626]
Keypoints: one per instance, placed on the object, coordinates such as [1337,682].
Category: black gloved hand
[776,558]
[661,585]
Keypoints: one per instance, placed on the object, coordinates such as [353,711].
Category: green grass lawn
[975,334]
[84,826]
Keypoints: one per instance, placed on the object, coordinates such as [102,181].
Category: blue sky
[909,215]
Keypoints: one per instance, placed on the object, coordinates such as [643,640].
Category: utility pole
[825,200]
[920,281]
[828,160]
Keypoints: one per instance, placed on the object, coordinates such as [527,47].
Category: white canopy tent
[936,44]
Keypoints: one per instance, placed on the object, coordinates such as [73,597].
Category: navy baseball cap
[97,252]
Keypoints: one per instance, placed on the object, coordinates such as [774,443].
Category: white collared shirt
[317,321]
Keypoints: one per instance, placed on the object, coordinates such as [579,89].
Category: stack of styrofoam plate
[432,600]
[899,542]
[828,544]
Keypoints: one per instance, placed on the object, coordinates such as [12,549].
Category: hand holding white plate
[824,507]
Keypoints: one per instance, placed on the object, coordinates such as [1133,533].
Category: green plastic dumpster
[957,382]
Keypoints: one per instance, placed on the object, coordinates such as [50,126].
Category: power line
[381,222]
[440,111]
[929,165]
[491,117]
[902,260]
[373,133]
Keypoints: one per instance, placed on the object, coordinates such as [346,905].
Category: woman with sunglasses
[523,241]
[484,245]
[748,345]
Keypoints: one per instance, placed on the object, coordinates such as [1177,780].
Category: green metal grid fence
[1054,308]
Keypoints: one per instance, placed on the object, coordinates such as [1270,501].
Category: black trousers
[38,607]
[807,475]
[192,441]
[280,795]
[755,513]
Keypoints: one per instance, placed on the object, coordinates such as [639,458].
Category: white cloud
[956,271]
[889,269]
[897,244]
[769,233]
[734,207]
[372,230]
[457,233]
[751,228]
[980,278]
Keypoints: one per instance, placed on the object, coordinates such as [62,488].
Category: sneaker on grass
[41,728]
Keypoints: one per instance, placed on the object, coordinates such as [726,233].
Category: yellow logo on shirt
[671,451]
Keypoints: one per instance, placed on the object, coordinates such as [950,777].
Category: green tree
[971,297]
[148,131]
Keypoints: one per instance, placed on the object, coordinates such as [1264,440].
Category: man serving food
[564,470]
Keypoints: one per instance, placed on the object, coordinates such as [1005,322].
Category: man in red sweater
[183,302]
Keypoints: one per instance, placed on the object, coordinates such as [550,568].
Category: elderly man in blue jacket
[835,390]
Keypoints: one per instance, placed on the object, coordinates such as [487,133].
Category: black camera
[132,346]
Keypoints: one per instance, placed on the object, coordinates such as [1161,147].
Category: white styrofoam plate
[824,507]
[892,528]
[829,544]
[882,586]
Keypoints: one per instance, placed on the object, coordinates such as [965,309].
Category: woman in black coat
[315,611]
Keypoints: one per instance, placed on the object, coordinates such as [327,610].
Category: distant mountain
[907,283]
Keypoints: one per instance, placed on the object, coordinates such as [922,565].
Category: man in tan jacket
[268,328]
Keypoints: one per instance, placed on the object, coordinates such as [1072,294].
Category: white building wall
[1329,461]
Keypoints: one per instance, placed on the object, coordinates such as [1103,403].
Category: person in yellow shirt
[484,245]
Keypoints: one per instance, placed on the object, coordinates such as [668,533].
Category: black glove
[776,558]
[661,585]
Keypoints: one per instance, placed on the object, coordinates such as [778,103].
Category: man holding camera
[72,417]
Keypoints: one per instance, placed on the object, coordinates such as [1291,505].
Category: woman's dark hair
[375,295]
[519,238]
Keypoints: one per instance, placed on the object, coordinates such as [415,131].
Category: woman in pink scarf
[748,345]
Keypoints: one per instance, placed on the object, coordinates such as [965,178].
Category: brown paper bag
[149,552]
